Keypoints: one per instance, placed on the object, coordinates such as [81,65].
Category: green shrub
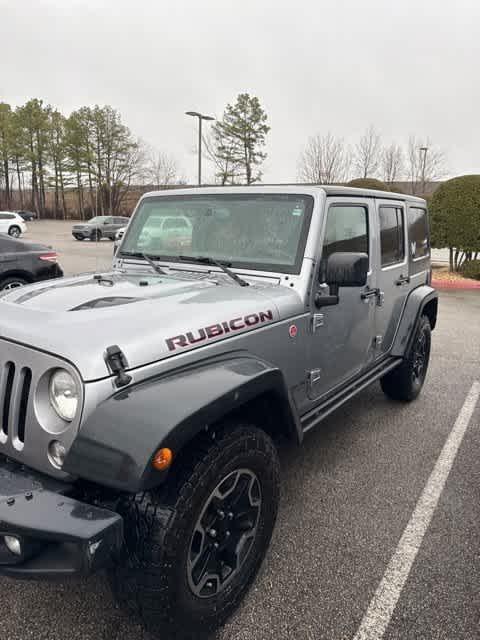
[455,214]
[471,269]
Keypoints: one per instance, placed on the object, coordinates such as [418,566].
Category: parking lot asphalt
[74,256]
[348,494]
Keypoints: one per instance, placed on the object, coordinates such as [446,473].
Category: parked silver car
[149,449]
[99,227]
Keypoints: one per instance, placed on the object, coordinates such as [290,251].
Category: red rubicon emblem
[292,331]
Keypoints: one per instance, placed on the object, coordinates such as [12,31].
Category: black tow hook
[116,360]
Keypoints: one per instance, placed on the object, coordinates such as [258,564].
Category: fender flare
[415,306]
[116,444]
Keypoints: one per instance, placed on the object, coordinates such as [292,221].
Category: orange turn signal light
[162,459]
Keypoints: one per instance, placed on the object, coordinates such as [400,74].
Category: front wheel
[193,548]
[406,381]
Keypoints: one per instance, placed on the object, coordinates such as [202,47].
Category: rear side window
[6,216]
[418,232]
[392,234]
[347,230]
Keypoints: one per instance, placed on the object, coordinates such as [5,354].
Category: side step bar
[335,400]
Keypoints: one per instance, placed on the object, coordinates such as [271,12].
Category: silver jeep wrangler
[139,407]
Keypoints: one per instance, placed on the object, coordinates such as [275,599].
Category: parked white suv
[12,223]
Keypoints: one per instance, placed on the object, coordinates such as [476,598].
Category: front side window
[252,231]
[97,220]
[392,243]
[346,230]
[418,232]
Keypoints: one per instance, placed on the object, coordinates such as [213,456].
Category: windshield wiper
[145,256]
[216,263]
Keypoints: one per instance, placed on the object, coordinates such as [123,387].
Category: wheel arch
[16,273]
[421,301]
[116,445]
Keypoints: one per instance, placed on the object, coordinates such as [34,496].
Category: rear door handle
[402,280]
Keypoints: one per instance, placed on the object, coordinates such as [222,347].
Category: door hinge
[374,293]
[318,320]
[314,376]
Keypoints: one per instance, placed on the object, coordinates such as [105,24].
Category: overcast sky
[407,66]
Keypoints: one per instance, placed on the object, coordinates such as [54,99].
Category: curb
[456,284]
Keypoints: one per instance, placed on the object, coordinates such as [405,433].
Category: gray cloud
[408,67]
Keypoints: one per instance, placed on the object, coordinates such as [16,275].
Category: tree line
[88,161]
[90,154]
[328,159]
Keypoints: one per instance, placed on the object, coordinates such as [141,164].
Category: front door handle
[402,280]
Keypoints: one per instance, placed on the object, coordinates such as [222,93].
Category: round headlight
[64,395]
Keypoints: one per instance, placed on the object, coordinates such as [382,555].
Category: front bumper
[59,535]
[81,233]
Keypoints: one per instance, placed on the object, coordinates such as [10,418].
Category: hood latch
[116,360]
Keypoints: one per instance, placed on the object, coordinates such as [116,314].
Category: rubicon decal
[219,329]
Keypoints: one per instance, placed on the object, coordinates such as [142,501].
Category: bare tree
[324,160]
[161,169]
[392,163]
[425,163]
[367,155]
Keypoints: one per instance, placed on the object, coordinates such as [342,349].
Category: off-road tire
[151,579]
[14,231]
[405,383]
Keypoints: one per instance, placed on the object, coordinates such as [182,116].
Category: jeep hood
[78,318]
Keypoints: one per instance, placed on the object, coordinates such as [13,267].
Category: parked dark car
[28,216]
[22,262]
[99,227]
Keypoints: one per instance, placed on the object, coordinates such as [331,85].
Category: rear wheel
[193,549]
[406,381]
[11,283]
[14,231]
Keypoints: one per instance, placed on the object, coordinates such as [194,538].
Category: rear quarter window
[418,233]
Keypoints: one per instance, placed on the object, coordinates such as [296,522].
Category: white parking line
[383,603]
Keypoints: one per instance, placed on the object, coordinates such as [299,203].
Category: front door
[342,335]
[393,271]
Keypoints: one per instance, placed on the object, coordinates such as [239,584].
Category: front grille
[28,423]
[15,383]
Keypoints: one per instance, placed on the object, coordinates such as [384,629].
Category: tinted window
[418,233]
[347,230]
[391,235]
[6,216]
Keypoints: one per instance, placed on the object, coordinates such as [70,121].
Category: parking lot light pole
[200,117]
[424,151]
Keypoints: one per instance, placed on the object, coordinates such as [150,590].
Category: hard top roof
[329,190]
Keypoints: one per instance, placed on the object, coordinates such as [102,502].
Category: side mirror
[343,270]
[347,269]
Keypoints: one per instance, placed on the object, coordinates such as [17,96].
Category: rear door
[393,278]
[109,226]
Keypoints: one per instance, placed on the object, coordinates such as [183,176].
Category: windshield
[97,220]
[253,231]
